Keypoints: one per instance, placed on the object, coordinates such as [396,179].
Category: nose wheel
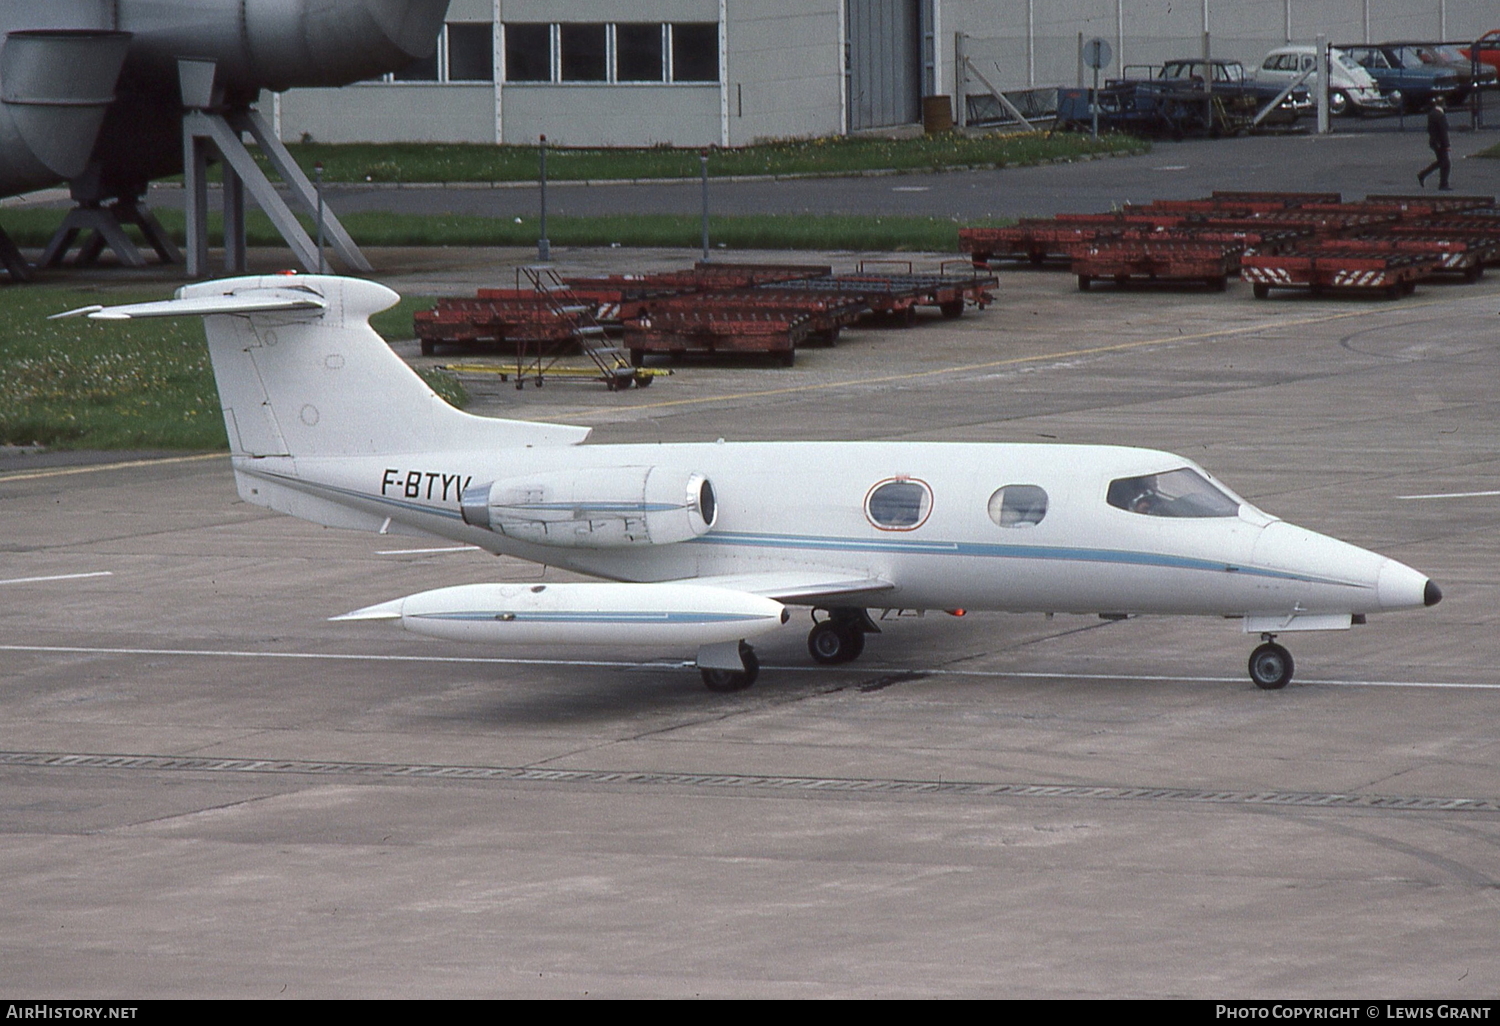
[1271,665]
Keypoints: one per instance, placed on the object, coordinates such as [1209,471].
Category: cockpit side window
[899,505]
[1018,506]
[1177,493]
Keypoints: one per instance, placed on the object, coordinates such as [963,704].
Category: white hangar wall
[730,72]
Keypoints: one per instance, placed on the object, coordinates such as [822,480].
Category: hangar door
[883,62]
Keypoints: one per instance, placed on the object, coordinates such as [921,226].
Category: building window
[471,52]
[528,53]
[465,53]
[638,53]
[695,52]
[584,53]
[626,52]
[424,70]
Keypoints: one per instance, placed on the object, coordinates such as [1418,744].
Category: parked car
[1486,49]
[1409,82]
[1471,74]
[1351,89]
[1230,81]
[1175,100]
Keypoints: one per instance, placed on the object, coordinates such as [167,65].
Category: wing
[811,587]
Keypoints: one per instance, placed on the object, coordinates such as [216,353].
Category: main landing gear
[722,678]
[1270,665]
[841,637]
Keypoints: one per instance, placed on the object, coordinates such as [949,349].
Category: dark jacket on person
[1437,129]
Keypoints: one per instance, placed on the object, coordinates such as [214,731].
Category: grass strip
[33,227]
[836,155]
[81,384]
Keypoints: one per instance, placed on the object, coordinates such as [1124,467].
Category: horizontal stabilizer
[252,301]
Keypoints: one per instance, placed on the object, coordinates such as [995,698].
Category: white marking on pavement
[59,577]
[418,552]
[1449,495]
[688,664]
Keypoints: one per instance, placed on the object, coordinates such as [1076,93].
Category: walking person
[1437,139]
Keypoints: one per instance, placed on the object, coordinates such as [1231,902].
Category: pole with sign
[1096,54]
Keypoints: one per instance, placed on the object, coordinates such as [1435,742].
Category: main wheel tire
[1271,667]
[831,643]
[724,681]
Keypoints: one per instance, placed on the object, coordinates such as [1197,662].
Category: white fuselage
[800,506]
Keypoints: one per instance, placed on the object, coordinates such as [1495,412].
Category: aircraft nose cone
[1401,587]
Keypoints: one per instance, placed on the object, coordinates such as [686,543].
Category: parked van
[1351,89]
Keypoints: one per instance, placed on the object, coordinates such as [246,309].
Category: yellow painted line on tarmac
[970,368]
[95,467]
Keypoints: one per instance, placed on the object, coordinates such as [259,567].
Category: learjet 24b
[703,545]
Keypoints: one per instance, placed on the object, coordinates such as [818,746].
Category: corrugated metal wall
[884,63]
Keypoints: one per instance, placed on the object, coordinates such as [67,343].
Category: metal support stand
[15,264]
[205,131]
[101,226]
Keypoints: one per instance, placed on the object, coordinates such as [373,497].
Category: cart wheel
[1218,284]
[1409,286]
[788,358]
[1036,256]
[1395,291]
[637,358]
[1474,272]
[953,309]
[428,347]
[1261,290]
[644,380]
[1083,282]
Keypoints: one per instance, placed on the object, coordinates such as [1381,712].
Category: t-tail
[302,375]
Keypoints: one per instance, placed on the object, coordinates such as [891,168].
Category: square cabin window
[528,53]
[638,53]
[583,52]
[695,52]
[471,52]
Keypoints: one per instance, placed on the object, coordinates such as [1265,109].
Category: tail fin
[301,373]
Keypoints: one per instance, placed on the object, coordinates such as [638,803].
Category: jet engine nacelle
[604,507]
[582,614]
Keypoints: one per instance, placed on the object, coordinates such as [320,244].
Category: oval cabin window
[899,505]
[1018,506]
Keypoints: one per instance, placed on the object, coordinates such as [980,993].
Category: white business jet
[703,545]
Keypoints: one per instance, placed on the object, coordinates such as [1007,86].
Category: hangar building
[730,72]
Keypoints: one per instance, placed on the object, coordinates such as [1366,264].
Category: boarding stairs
[578,314]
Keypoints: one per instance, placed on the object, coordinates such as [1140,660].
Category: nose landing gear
[1270,665]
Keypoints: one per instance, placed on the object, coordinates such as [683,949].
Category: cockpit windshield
[1177,493]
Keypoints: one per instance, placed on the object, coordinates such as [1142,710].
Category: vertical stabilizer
[301,373]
